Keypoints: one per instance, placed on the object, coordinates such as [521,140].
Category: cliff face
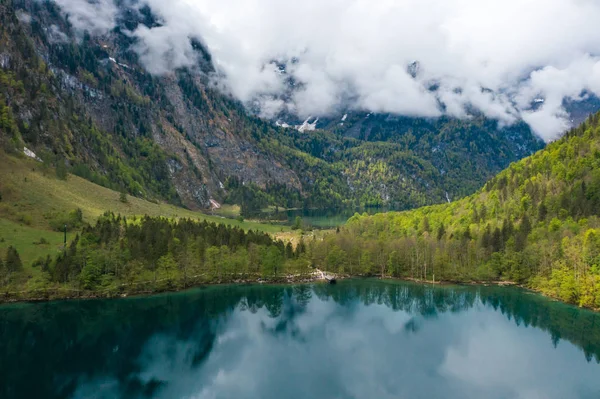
[199,133]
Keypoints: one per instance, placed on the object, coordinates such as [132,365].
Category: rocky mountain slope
[83,101]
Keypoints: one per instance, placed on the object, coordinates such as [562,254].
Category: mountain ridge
[177,138]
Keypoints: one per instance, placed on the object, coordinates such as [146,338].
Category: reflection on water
[359,339]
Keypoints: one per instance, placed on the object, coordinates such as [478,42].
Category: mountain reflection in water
[357,339]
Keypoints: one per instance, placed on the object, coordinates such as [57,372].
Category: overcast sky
[356,53]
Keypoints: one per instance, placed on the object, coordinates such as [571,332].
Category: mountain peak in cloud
[495,56]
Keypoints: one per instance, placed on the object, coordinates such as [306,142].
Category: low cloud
[450,357]
[96,16]
[495,56]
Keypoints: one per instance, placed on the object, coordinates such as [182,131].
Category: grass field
[27,240]
[228,211]
[31,194]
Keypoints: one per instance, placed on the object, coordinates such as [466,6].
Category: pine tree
[525,227]
[507,229]
[289,251]
[467,234]
[497,243]
[441,232]
[301,247]
[486,240]
[13,260]
[542,212]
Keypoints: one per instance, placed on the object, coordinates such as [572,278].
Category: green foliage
[168,254]
[536,223]
[168,271]
[336,259]
[297,223]
[8,124]
[91,273]
[72,220]
[273,262]
[25,218]
[13,261]
[61,170]
[43,263]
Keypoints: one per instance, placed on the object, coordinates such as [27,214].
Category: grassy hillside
[29,241]
[34,201]
[168,248]
[32,194]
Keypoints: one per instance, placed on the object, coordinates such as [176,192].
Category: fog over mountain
[508,59]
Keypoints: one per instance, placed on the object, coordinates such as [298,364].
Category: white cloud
[361,352]
[97,16]
[517,365]
[163,49]
[23,17]
[359,50]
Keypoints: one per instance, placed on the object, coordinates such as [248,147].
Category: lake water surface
[357,339]
[319,218]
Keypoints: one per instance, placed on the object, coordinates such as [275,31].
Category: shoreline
[66,294]
[493,284]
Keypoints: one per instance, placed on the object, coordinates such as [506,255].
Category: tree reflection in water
[137,347]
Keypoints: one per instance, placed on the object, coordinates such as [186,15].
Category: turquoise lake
[356,339]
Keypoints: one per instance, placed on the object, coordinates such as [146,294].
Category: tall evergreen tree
[13,260]
[441,232]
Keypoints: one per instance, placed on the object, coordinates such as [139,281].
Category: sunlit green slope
[535,223]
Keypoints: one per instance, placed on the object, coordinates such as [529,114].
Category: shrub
[25,219]
[297,223]
[73,220]
[42,263]
[42,241]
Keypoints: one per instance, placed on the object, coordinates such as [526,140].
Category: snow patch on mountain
[307,126]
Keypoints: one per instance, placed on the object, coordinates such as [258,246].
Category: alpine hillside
[83,103]
[536,223]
